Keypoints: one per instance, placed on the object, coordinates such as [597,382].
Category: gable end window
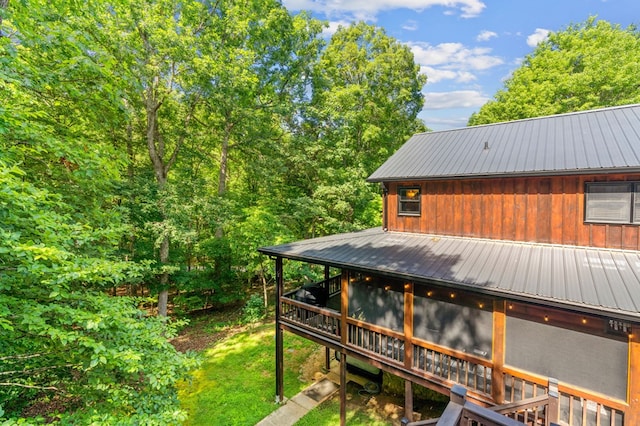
[612,202]
[409,201]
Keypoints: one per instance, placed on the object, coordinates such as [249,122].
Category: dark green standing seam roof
[590,280]
[598,141]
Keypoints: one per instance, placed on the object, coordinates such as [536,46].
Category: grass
[235,384]
[328,414]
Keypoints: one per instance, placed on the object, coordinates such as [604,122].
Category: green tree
[586,66]
[62,337]
[63,340]
[366,94]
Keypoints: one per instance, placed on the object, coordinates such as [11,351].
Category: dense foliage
[147,148]
[586,66]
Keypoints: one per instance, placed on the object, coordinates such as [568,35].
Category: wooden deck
[439,368]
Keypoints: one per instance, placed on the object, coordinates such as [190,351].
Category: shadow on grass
[235,384]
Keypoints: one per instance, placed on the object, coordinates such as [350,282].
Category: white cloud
[436,75]
[367,10]
[439,123]
[410,25]
[486,35]
[452,61]
[455,99]
[454,55]
[537,37]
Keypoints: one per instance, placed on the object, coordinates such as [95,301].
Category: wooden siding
[532,209]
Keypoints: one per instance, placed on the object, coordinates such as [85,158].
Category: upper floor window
[409,201]
[612,202]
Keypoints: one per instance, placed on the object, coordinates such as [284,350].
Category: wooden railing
[322,320]
[334,285]
[461,412]
[385,343]
[575,407]
[472,372]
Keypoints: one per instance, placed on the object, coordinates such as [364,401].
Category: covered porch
[403,345]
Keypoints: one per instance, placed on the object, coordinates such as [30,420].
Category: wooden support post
[343,389]
[344,306]
[498,350]
[327,359]
[408,400]
[279,334]
[408,349]
[327,351]
[458,394]
[551,416]
[632,416]
[327,275]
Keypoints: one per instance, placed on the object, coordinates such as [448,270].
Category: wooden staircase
[541,410]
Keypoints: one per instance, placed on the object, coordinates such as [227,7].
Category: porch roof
[586,279]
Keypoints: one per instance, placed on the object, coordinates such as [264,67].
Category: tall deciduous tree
[586,66]
[366,94]
[154,44]
[62,338]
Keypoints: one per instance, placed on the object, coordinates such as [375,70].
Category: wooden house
[508,263]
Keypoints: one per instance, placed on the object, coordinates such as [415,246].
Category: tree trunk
[155,146]
[264,287]
[224,161]
[163,296]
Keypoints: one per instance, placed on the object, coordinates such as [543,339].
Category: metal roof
[585,279]
[598,141]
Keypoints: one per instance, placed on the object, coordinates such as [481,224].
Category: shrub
[253,310]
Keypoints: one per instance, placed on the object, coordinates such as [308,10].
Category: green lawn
[236,383]
[328,414]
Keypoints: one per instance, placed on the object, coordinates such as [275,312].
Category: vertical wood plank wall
[533,209]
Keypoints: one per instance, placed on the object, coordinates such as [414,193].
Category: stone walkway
[295,408]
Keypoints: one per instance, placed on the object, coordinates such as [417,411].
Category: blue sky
[467,48]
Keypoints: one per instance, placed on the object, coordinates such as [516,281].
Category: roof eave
[496,292]
[545,173]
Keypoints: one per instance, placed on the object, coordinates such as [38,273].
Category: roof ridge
[541,117]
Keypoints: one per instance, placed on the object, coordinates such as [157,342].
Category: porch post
[498,350]
[343,389]
[408,349]
[344,306]
[553,406]
[327,351]
[632,417]
[279,335]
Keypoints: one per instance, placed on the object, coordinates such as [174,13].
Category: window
[612,202]
[409,201]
